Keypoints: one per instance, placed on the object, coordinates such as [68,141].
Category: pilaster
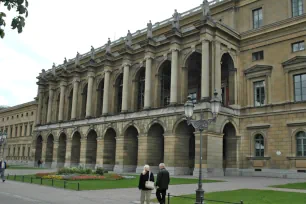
[55,150]
[100,148]
[68,152]
[174,73]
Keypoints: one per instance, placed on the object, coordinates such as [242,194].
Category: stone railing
[143,31]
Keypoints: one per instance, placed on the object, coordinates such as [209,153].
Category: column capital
[149,56]
[126,64]
[76,80]
[91,75]
[63,83]
[107,69]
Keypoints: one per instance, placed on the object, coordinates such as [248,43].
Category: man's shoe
[3,181]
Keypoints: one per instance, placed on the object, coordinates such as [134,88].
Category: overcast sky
[59,28]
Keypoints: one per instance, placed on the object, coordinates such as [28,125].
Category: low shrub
[56,177]
[100,171]
[74,170]
[87,177]
[40,175]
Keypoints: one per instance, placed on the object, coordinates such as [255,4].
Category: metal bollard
[78,186]
[168,198]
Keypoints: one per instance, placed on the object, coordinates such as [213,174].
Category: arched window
[259,146]
[165,82]
[301,144]
[100,93]
[119,87]
[84,101]
[141,89]
[70,104]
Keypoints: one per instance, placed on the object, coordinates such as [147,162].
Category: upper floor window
[16,131]
[257,18]
[141,89]
[25,129]
[300,87]
[31,129]
[258,55]
[298,46]
[297,7]
[301,144]
[259,146]
[259,93]
[29,151]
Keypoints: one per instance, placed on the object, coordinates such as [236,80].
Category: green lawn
[301,186]
[248,197]
[101,184]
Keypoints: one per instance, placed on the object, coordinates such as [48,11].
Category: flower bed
[55,177]
[41,175]
[87,177]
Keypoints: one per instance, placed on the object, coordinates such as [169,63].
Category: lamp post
[3,136]
[201,125]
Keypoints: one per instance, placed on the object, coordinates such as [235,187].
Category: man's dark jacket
[163,179]
[2,165]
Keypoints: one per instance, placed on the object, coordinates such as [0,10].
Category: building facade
[121,106]
[19,123]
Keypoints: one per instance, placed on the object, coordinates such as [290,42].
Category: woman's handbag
[149,184]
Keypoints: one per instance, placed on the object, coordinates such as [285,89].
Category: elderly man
[2,169]
[162,183]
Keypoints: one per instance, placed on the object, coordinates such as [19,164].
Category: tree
[17,22]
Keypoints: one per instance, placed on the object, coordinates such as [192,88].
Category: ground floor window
[301,144]
[259,146]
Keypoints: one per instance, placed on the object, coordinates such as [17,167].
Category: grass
[248,196]
[301,186]
[100,184]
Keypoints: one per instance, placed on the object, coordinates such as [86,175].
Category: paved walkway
[22,193]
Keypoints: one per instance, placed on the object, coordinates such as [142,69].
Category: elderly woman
[146,184]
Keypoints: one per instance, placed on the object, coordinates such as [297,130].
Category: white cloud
[57,29]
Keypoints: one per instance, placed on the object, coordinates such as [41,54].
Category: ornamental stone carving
[92,53]
[206,10]
[149,30]
[128,41]
[108,47]
[176,20]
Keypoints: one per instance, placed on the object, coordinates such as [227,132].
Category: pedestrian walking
[146,184]
[2,169]
[162,183]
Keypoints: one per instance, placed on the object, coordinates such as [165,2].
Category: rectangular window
[25,129]
[20,131]
[297,7]
[300,87]
[259,93]
[298,46]
[31,128]
[9,151]
[258,55]
[29,151]
[16,131]
[257,18]
[11,133]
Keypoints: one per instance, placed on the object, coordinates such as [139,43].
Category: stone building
[121,106]
[18,122]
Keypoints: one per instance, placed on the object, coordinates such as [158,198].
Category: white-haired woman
[145,186]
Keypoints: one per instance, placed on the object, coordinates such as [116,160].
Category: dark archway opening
[194,65]
[156,142]
[38,150]
[109,152]
[91,149]
[227,80]
[131,148]
[49,151]
[165,83]
[61,152]
[75,149]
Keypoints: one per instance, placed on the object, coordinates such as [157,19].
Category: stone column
[174,74]
[76,82]
[148,82]
[44,151]
[218,68]
[125,91]
[83,151]
[100,148]
[119,155]
[49,114]
[40,101]
[287,87]
[61,103]
[205,71]
[89,94]
[142,152]
[68,152]
[106,91]
[55,150]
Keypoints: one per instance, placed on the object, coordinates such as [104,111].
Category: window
[141,89]
[259,146]
[298,46]
[31,128]
[257,18]
[165,80]
[29,151]
[11,133]
[297,7]
[21,115]
[27,114]
[259,93]
[17,116]
[9,151]
[119,85]
[301,144]
[16,131]
[25,129]
[258,55]
[300,87]
[32,113]
[20,131]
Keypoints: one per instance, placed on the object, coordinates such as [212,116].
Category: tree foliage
[18,22]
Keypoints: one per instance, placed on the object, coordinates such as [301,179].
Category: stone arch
[133,124]
[228,79]
[156,121]
[109,150]
[38,148]
[293,137]
[130,150]
[156,141]
[229,121]
[230,159]
[186,143]
[62,131]
[231,54]
[91,149]
[91,128]
[75,148]
[110,126]
[188,54]
[61,154]
[49,150]
[178,121]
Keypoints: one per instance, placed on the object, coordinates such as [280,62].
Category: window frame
[258,56]
[299,46]
[298,9]
[303,144]
[261,150]
[255,93]
[259,21]
[301,87]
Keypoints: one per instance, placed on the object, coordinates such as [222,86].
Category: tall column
[68,152]
[125,90]
[174,71]
[218,68]
[44,151]
[106,91]
[61,103]
[205,70]
[75,97]
[40,101]
[49,114]
[269,84]
[83,151]
[55,151]
[89,94]
[148,82]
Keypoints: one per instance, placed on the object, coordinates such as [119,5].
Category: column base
[178,170]
[60,165]
[147,108]
[67,164]
[104,114]
[88,117]
[125,168]
[231,172]
[53,165]
[124,111]
[108,167]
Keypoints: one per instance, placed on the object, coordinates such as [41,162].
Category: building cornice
[18,106]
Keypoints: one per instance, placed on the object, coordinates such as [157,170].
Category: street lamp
[3,136]
[201,125]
